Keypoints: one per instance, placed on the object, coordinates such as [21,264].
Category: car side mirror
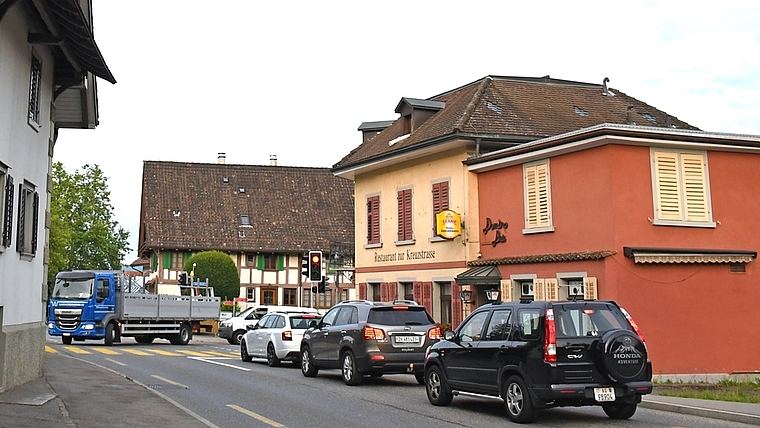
[312,323]
[449,335]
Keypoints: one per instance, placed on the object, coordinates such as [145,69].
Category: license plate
[407,339]
[604,394]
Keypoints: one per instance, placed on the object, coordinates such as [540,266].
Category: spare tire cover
[624,355]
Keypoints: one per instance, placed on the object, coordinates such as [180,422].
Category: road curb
[725,415]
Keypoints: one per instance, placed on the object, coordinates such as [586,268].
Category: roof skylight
[397,139]
[649,117]
[493,107]
[579,111]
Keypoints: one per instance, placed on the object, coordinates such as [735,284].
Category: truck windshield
[72,288]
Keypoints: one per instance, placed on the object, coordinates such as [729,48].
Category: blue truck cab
[82,306]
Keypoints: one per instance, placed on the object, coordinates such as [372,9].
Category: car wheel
[244,352]
[272,359]
[351,375]
[437,390]
[624,355]
[307,364]
[619,410]
[517,401]
[420,377]
[237,337]
[66,340]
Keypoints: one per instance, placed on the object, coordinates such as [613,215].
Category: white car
[277,336]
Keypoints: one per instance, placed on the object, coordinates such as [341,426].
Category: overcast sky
[295,79]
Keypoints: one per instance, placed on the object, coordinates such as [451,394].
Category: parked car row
[532,354]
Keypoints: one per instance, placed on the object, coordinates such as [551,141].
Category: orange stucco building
[663,221]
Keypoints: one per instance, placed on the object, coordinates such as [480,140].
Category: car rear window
[395,316]
[302,321]
[588,320]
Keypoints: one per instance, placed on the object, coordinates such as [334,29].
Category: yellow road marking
[194,353]
[50,350]
[136,352]
[222,354]
[106,351]
[162,352]
[76,350]
[169,381]
[256,416]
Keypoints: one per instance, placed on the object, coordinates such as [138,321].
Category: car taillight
[550,343]
[634,326]
[373,333]
[434,333]
[287,335]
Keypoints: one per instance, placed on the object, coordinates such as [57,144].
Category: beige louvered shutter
[552,289]
[589,288]
[506,290]
[537,196]
[695,187]
[668,186]
[539,289]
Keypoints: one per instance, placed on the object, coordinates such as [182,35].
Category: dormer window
[414,112]
[245,220]
[242,190]
[225,179]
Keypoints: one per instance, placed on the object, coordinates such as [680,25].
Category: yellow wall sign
[448,224]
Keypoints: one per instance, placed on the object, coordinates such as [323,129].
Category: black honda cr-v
[542,354]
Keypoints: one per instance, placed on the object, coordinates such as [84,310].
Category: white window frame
[681,188]
[535,188]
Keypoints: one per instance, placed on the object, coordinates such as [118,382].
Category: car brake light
[634,326]
[550,342]
[400,308]
[373,333]
[287,335]
[434,333]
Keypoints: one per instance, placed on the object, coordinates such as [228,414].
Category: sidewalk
[101,397]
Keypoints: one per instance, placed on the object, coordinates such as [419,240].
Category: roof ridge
[472,104]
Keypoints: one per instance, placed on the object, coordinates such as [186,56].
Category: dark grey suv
[536,355]
[369,338]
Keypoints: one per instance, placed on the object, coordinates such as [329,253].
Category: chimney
[272,160]
[221,157]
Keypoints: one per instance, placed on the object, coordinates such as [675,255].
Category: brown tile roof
[544,258]
[188,206]
[511,110]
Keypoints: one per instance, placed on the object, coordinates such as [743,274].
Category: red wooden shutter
[456,306]
[404,198]
[363,291]
[373,220]
[440,199]
[417,291]
[384,292]
[427,296]
[393,291]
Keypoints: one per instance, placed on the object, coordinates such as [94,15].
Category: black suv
[369,338]
[542,354]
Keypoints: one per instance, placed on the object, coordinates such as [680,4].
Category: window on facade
[440,200]
[245,220]
[404,198]
[375,292]
[290,296]
[6,206]
[445,288]
[270,261]
[34,91]
[318,300]
[373,220]
[250,259]
[343,294]
[250,294]
[28,219]
[178,260]
[408,290]
[538,216]
[681,193]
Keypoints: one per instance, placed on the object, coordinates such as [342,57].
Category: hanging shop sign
[448,224]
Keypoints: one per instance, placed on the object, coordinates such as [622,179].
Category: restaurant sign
[448,224]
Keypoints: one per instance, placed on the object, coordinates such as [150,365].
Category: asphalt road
[208,378]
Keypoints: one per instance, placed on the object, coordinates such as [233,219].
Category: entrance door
[269,296]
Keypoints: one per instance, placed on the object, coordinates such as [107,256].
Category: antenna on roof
[605,91]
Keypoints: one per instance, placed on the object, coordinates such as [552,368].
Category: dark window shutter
[373,220]
[405,215]
[35,222]
[8,223]
[153,261]
[21,219]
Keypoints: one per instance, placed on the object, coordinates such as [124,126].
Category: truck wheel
[144,339]
[110,334]
[183,337]
[66,340]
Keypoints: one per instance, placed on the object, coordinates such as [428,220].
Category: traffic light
[182,279]
[305,266]
[315,266]
[322,285]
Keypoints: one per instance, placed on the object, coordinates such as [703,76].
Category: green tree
[220,270]
[83,234]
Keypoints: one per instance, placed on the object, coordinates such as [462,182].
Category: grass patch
[726,390]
